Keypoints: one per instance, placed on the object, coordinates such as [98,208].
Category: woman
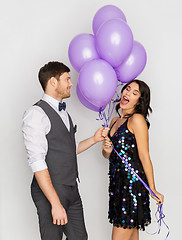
[128,198]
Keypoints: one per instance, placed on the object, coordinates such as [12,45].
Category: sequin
[127,196]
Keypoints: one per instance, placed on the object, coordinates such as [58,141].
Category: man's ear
[53,82]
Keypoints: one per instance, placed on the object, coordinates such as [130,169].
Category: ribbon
[107,117]
[159,211]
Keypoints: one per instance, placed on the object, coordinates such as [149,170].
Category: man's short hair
[51,69]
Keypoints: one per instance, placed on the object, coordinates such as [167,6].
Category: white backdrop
[37,31]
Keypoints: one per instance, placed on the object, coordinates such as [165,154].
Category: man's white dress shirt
[36,125]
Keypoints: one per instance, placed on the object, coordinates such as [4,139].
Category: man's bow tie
[62,106]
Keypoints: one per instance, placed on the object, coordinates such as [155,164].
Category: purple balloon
[81,50]
[97,82]
[114,41]
[104,14]
[84,101]
[133,65]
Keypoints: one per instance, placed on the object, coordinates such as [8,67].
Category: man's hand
[58,212]
[105,131]
[100,134]
[59,215]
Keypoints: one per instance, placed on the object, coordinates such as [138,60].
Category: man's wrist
[55,203]
[94,141]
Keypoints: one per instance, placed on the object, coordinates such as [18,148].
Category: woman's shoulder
[137,123]
[137,119]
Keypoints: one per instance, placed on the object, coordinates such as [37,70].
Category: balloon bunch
[103,59]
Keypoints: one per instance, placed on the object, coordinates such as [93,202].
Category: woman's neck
[126,113]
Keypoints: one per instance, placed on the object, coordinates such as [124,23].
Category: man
[50,143]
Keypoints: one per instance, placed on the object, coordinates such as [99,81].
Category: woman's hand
[160,198]
[107,145]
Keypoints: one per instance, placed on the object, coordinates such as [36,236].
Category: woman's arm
[138,126]
[106,145]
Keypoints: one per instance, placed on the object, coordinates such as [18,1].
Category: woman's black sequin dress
[128,198]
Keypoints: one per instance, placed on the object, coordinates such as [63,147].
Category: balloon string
[102,114]
[159,211]
[115,100]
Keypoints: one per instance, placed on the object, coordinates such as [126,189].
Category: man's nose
[71,84]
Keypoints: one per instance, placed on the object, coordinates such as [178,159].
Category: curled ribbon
[159,211]
[107,117]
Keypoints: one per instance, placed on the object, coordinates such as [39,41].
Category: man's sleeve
[35,127]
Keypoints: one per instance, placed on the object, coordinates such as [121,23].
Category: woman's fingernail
[159,201]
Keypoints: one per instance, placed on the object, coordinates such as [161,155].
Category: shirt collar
[54,102]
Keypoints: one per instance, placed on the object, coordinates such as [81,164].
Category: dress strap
[113,124]
[111,128]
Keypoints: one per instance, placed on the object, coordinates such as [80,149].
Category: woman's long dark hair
[143,105]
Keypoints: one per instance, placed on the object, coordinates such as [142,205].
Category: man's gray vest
[61,156]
